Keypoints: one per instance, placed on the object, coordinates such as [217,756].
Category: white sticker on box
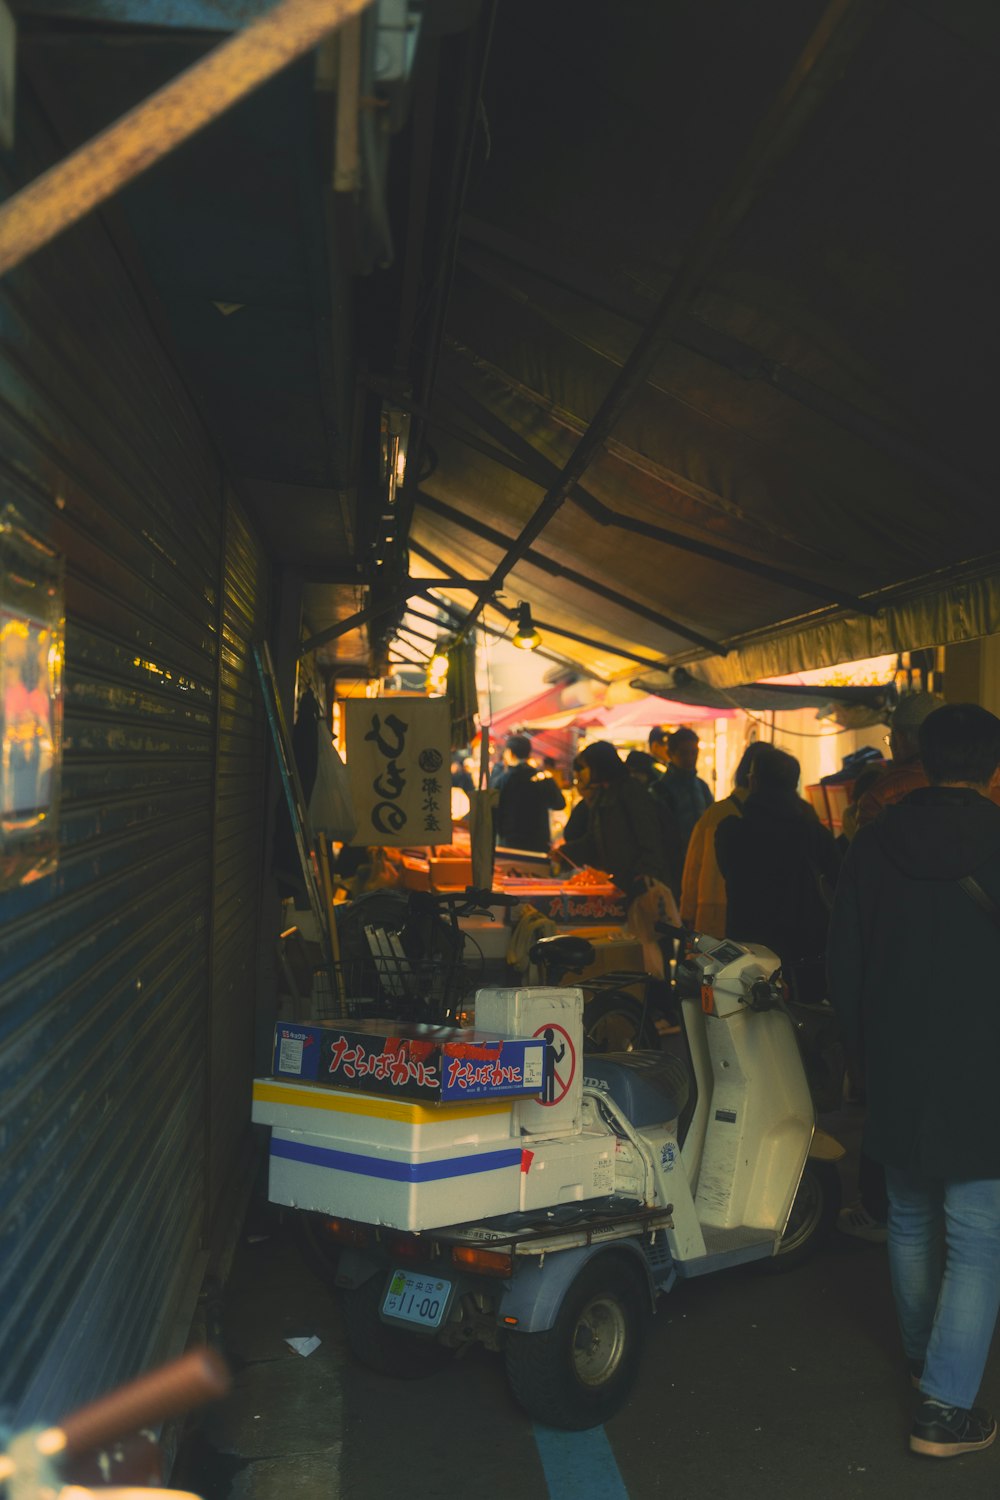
[290,1055]
[604,1174]
[534,1066]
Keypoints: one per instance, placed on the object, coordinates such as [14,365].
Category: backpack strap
[970,885]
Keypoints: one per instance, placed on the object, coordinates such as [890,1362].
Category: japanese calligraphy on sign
[398,760]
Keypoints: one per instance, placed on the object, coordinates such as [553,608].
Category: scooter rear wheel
[617,1022]
[380,1346]
[577,1373]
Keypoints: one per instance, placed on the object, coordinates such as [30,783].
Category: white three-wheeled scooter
[544,1227]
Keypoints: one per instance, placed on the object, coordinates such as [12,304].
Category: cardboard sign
[439,1063]
[399,763]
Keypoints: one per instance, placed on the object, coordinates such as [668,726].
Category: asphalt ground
[750,1386]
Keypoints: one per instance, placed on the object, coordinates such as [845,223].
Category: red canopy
[645,712]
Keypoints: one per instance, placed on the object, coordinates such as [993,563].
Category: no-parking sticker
[560,1063]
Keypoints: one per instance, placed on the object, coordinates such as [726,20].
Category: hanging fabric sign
[399,763]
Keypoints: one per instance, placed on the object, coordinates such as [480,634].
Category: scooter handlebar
[768,994]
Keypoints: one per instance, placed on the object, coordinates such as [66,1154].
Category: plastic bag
[330,809]
[654,904]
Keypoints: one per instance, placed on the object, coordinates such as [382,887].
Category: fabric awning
[684,688]
[808,473]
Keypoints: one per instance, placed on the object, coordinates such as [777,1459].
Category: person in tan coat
[703,889]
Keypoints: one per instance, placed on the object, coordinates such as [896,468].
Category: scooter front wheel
[813,1216]
[577,1373]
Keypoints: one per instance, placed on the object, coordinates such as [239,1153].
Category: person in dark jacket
[527,795]
[780,866]
[620,836]
[642,768]
[680,786]
[913,961]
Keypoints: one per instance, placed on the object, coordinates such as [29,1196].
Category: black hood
[940,833]
[776,807]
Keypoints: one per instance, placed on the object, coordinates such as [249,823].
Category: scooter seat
[568,952]
[648,1087]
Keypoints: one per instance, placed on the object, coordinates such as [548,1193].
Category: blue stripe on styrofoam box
[396,1171]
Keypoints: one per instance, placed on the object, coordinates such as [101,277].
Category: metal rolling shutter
[104,967]
[239,836]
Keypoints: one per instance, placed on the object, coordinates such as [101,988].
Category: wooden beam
[115,157]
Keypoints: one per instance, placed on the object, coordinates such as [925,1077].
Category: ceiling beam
[173,114]
[458,615]
[584,640]
[587,640]
[401,650]
[819,67]
[556,570]
[541,471]
[373,611]
[419,635]
[520,456]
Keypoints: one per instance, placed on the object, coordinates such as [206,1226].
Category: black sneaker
[941,1431]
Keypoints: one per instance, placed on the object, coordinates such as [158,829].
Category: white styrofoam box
[557,1016]
[568,1170]
[400,1189]
[370,1119]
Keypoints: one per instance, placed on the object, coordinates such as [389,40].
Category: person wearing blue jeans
[944,1260]
[913,951]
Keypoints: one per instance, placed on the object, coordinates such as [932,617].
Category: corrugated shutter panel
[239,834]
[104,967]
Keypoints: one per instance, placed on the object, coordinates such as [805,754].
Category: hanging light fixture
[437,671]
[526,637]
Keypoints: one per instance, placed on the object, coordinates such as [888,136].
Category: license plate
[416,1299]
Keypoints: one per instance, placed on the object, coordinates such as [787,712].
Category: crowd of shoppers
[898,924]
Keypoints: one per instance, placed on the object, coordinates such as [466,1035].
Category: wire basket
[391,984]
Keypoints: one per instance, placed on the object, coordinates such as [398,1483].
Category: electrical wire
[799,734]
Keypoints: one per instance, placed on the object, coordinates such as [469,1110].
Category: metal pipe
[819,67]
[113,158]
